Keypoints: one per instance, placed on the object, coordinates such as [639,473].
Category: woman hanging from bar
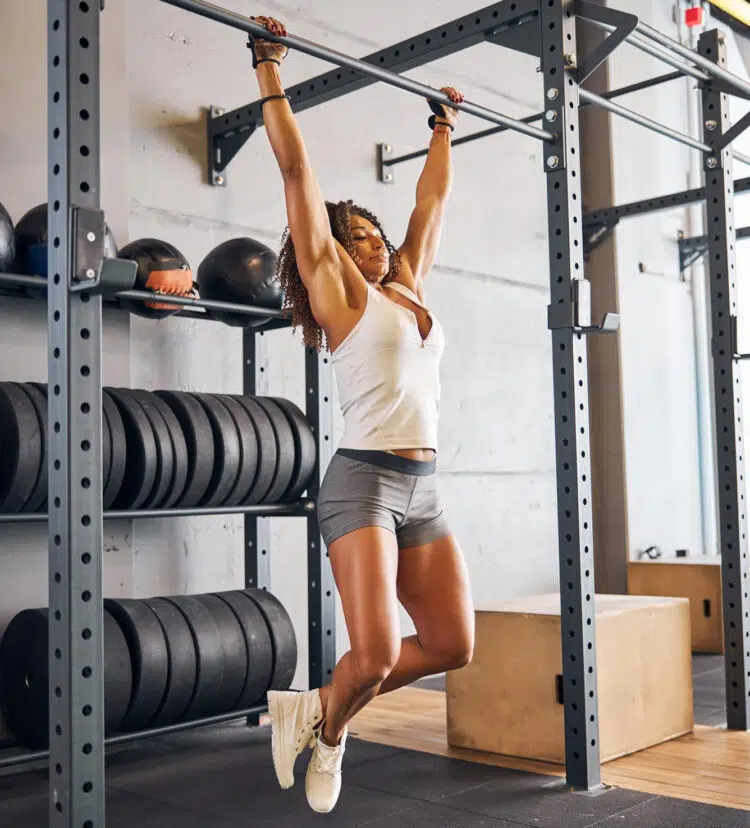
[352,292]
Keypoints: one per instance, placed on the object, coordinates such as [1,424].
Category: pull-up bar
[237,21]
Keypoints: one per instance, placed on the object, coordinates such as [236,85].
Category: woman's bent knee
[373,668]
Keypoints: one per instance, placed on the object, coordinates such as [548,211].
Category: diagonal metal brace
[733,132]
[597,233]
[625,24]
[576,314]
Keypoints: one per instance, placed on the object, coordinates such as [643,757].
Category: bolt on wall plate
[216,177]
[385,171]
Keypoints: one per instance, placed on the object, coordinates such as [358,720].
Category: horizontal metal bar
[709,66]
[649,49]
[209,304]
[695,243]
[149,296]
[124,738]
[530,119]
[300,509]
[650,205]
[237,21]
[623,112]
[738,156]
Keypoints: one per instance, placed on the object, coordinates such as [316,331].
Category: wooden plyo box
[506,700]
[699,580]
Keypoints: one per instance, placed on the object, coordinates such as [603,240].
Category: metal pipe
[237,21]
[597,100]
[124,738]
[646,47]
[678,49]
[149,296]
[738,156]
[530,119]
[299,509]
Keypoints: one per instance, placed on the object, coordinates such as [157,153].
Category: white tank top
[388,377]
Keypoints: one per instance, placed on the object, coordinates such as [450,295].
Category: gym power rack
[545,28]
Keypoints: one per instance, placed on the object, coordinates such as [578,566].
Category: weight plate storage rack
[80,281]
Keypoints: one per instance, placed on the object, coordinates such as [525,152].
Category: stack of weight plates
[166,660]
[165,449]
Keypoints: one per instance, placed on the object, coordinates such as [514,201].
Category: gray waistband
[391,461]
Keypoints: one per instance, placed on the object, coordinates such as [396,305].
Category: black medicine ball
[242,271]
[7,241]
[162,268]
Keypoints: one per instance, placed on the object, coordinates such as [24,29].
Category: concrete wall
[161,68]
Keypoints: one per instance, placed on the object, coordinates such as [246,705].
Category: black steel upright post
[727,394]
[571,398]
[321,591]
[257,529]
[76,651]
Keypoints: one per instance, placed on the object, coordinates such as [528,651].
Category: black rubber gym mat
[148,655]
[248,450]
[259,647]
[227,451]
[24,677]
[38,495]
[164,449]
[235,652]
[305,449]
[141,461]
[285,449]
[183,665]
[199,439]
[179,451]
[282,636]
[119,453]
[20,447]
[268,452]
[209,656]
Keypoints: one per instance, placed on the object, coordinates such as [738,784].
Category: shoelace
[326,762]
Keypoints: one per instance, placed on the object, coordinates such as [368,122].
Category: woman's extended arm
[309,226]
[434,185]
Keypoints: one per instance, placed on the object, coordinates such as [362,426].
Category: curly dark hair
[296,297]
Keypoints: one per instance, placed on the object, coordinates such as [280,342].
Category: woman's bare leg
[431,582]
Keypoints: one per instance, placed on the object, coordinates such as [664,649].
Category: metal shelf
[31,757]
[299,509]
[280,318]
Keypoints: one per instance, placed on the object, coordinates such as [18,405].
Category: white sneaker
[293,717]
[323,779]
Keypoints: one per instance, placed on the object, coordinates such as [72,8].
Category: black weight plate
[259,647]
[199,438]
[39,493]
[164,449]
[24,677]
[235,652]
[20,447]
[179,450]
[268,452]
[305,449]
[285,443]
[141,461]
[209,655]
[119,454]
[282,636]
[248,449]
[183,667]
[148,655]
[227,448]
[106,449]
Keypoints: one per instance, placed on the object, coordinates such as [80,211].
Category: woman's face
[374,258]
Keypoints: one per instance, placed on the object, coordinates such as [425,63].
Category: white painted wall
[161,68]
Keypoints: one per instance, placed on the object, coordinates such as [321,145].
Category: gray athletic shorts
[375,488]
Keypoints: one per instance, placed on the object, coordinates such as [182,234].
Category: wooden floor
[711,765]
